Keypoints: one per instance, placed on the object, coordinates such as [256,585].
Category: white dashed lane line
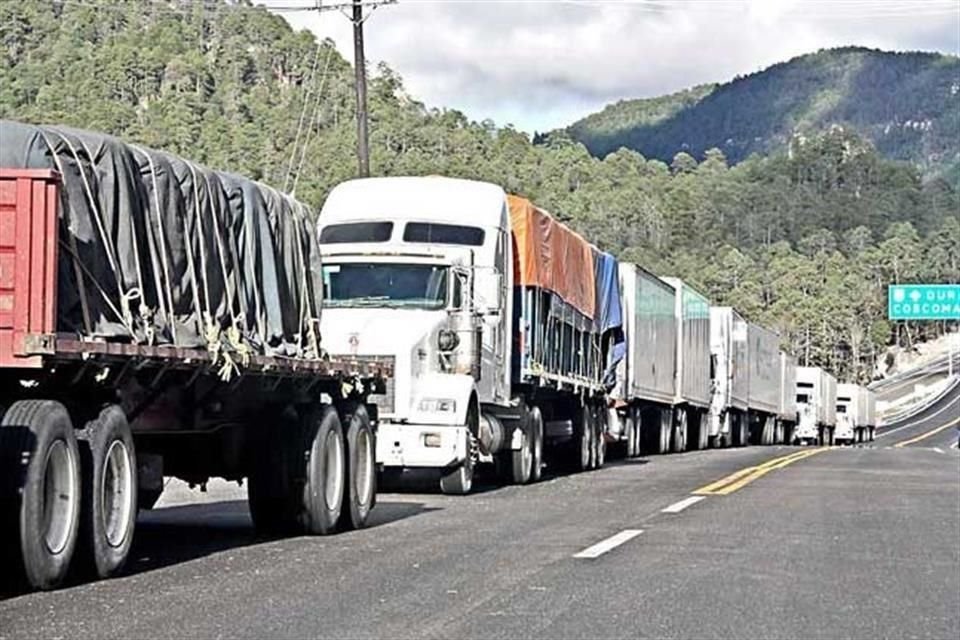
[602,547]
[677,507]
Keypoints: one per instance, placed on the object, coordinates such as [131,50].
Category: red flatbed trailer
[90,426]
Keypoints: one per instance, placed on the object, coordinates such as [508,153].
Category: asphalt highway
[771,542]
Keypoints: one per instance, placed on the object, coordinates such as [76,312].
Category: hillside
[906,104]
[804,242]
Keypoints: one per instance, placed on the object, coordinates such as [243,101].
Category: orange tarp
[549,255]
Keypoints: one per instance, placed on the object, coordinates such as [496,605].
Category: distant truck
[650,410]
[816,406]
[730,378]
[160,319]
[856,414]
[504,325]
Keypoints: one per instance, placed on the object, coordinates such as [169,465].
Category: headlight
[447,340]
[437,405]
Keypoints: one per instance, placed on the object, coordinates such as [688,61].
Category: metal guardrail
[913,410]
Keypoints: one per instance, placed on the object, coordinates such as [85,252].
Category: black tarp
[155,249]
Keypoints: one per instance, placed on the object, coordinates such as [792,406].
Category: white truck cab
[420,268]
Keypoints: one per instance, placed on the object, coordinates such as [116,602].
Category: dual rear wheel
[65,491]
[310,476]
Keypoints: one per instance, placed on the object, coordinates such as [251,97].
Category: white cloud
[542,64]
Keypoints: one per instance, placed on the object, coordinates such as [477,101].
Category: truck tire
[535,420]
[521,460]
[678,443]
[361,486]
[631,433]
[700,435]
[40,492]
[666,431]
[320,472]
[599,442]
[271,479]
[108,511]
[584,439]
[459,481]
[523,465]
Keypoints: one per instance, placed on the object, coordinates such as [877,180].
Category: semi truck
[816,406]
[502,322]
[856,414]
[763,349]
[642,402]
[161,319]
[729,377]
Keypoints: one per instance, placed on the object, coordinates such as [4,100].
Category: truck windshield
[415,286]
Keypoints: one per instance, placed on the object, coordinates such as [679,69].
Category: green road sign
[923,302]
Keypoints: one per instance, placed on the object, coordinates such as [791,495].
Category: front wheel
[459,481]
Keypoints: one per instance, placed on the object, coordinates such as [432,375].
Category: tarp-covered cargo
[764,355]
[692,315]
[157,250]
[647,372]
[608,313]
[551,256]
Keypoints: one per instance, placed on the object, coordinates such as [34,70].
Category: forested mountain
[804,240]
[906,104]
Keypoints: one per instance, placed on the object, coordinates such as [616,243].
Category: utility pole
[360,69]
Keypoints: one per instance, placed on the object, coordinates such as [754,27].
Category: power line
[360,69]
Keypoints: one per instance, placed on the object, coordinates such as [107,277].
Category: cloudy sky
[541,64]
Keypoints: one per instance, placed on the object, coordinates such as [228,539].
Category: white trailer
[850,410]
[764,389]
[856,414]
[644,395]
[817,406]
[692,382]
[730,378]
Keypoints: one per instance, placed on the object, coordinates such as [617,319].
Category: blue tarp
[608,314]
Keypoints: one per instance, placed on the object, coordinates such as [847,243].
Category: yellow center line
[932,432]
[741,478]
[742,472]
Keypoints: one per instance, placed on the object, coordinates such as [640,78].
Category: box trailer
[764,397]
[787,406]
[856,414]
[505,325]
[644,394]
[730,377]
[816,405]
[850,413]
[160,319]
[692,388]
